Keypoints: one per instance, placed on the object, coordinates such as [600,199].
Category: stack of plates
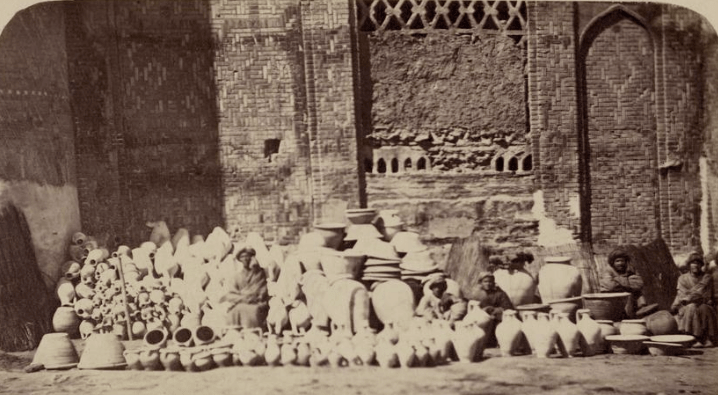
[418,265]
[381,269]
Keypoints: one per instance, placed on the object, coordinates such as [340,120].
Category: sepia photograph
[454,197]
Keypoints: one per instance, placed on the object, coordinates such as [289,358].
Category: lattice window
[420,16]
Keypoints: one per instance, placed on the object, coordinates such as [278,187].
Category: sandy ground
[605,374]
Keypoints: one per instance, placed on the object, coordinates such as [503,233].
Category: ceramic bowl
[103,351]
[627,344]
[682,340]
[56,351]
[362,231]
[361,216]
[606,306]
[660,349]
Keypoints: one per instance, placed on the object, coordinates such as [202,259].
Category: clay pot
[568,334]
[103,351]
[303,353]
[361,216]
[222,356]
[190,320]
[528,327]
[187,361]
[627,344]
[138,329]
[393,302]
[272,354]
[661,323]
[55,351]
[86,329]
[347,303]
[405,353]
[559,280]
[607,329]
[203,361]
[72,270]
[508,333]
[170,359]
[203,335]
[566,305]
[333,233]
[546,336]
[633,327]
[591,340]
[287,352]
[183,337]
[475,314]
[132,357]
[342,263]
[66,320]
[519,285]
[469,340]
[386,355]
[156,338]
[79,238]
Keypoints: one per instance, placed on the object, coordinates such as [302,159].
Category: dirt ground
[696,373]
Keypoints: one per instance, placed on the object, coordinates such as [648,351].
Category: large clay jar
[529,327]
[65,292]
[272,354]
[546,336]
[386,354]
[559,280]
[475,314]
[132,357]
[607,329]
[406,353]
[634,327]
[287,352]
[190,320]
[170,359]
[442,334]
[661,323]
[66,320]
[591,341]
[150,359]
[519,285]
[468,341]
[303,352]
[508,333]
[347,303]
[568,333]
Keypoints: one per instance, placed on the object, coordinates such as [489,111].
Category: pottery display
[475,314]
[559,280]
[591,340]
[508,333]
[333,233]
[519,285]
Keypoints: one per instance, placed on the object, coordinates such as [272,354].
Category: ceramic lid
[557,259]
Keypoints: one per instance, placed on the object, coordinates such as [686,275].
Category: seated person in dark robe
[247,294]
[620,277]
[695,305]
[492,298]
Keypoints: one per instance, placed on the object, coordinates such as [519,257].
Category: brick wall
[621,135]
[260,81]
[144,100]
[37,166]
[553,109]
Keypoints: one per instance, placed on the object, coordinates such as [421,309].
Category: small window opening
[528,163]
[499,164]
[513,164]
[271,147]
[368,165]
[407,164]
[421,164]
[394,165]
[381,166]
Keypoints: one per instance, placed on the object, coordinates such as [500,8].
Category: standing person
[694,303]
[247,294]
[620,277]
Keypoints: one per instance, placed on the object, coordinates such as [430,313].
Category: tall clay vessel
[559,280]
[546,336]
[519,285]
[591,340]
[508,333]
[568,333]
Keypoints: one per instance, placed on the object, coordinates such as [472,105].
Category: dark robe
[695,305]
[247,297]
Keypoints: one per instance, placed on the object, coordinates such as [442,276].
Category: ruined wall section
[459,98]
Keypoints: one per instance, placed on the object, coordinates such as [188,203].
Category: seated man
[694,303]
[492,298]
[246,291]
[620,277]
[439,304]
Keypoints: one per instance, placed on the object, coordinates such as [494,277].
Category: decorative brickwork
[621,134]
